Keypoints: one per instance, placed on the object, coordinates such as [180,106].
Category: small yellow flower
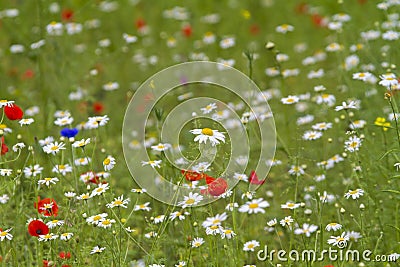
[382,123]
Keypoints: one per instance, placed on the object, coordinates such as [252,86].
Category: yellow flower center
[228,232]
[340,239]
[216,221]
[353,192]
[96,218]
[106,161]
[250,246]
[3,126]
[47,236]
[190,201]
[106,222]
[353,144]
[207,131]
[290,205]
[3,233]
[47,179]
[3,101]
[253,205]
[54,148]
[61,167]
[117,202]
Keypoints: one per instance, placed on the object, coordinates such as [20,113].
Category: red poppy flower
[187,30]
[67,14]
[45,263]
[318,20]
[13,112]
[37,227]
[253,179]
[302,8]
[140,23]
[254,29]
[47,207]
[64,255]
[4,147]
[193,176]
[215,187]
[98,107]
[362,1]
[28,74]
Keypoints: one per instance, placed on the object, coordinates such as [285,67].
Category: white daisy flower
[214,136]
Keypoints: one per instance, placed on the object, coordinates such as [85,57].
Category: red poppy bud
[4,147]
[13,112]
[65,255]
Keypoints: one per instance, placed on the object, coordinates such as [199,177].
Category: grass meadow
[328,69]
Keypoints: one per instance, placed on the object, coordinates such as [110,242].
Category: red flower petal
[192,175]
[253,179]
[13,112]
[216,187]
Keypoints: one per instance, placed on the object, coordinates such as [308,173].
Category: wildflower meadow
[199,133]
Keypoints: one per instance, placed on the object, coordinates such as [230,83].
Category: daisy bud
[342,117]
[84,215]
[342,210]
[302,204]
[362,206]
[351,114]
[123,220]
[62,138]
[195,224]
[270,45]
[19,136]
[1,132]
[103,150]
[19,171]
[71,139]
[307,211]
[330,140]
[30,148]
